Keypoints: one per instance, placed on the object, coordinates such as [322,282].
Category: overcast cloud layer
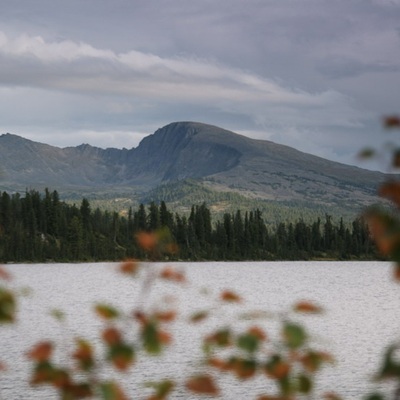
[314,74]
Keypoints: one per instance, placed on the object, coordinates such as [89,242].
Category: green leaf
[121,355]
[162,388]
[390,368]
[294,335]
[107,312]
[111,391]
[7,306]
[366,153]
[374,396]
[305,384]
[248,342]
[150,338]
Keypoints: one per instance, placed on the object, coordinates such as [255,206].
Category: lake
[361,302]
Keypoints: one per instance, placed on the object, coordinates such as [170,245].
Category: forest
[37,227]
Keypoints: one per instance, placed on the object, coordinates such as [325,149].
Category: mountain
[216,159]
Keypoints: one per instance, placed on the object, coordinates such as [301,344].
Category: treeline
[38,228]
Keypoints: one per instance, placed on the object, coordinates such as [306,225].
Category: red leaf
[202,384]
[172,274]
[391,121]
[129,267]
[41,351]
[230,296]
[111,336]
[147,240]
[307,307]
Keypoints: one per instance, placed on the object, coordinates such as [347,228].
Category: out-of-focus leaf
[107,312]
[391,121]
[80,391]
[248,342]
[57,314]
[8,306]
[313,360]
[396,158]
[375,396]
[111,391]
[307,307]
[366,153]
[258,333]
[243,368]
[165,316]
[84,355]
[220,338]
[4,274]
[304,384]
[276,367]
[148,241]
[162,389]
[391,191]
[171,274]
[111,336]
[218,363]
[230,296]
[199,316]
[202,384]
[385,229]
[150,338]
[129,267]
[294,335]
[331,396]
[396,272]
[41,352]
[121,355]
[43,373]
[390,367]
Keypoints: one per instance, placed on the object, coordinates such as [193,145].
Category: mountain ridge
[218,159]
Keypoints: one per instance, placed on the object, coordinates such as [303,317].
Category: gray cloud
[313,74]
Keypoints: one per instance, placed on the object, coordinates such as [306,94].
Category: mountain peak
[221,159]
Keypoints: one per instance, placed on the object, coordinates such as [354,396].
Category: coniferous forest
[41,228]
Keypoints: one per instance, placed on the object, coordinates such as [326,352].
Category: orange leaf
[202,384]
[230,296]
[111,336]
[219,364]
[166,316]
[172,274]
[147,240]
[164,337]
[331,396]
[391,191]
[129,267]
[84,355]
[257,332]
[41,351]
[307,307]
[4,274]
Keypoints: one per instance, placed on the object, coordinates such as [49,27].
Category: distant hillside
[222,163]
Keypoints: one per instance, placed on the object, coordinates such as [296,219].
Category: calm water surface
[361,302]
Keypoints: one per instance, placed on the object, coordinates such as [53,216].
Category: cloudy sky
[317,75]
